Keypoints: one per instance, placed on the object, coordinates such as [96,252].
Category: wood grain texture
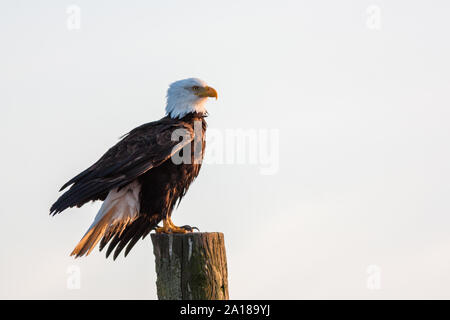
[191,266]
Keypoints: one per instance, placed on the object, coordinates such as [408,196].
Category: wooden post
[191,266]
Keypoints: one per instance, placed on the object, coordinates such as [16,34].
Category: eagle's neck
[178,106]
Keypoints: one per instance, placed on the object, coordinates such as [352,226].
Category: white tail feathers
[120,208]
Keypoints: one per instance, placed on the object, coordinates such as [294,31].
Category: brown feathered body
[139,182]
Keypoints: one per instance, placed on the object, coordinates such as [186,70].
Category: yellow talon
[169,227]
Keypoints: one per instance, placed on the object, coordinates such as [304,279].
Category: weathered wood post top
[191,266]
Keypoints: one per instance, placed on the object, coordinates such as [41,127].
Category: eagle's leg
[169,227]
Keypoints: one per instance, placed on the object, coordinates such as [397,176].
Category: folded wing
[142,149]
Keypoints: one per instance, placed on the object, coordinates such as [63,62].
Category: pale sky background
[362,114]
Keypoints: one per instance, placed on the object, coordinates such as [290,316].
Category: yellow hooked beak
[205,92]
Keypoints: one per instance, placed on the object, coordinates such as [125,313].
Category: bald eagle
[144,175]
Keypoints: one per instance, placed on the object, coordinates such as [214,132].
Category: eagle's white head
[187,96]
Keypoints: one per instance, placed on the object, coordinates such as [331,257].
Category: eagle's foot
[169,227]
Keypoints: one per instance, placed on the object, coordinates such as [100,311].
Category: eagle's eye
[195,88]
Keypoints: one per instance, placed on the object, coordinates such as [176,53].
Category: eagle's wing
[145,147]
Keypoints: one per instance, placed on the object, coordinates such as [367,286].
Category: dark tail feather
[129,237]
